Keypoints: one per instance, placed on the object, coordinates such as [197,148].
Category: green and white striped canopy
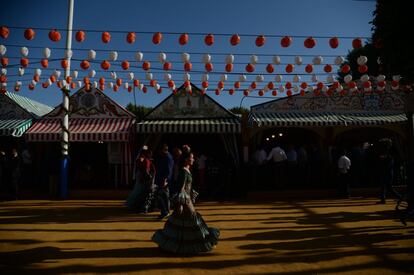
[14,127]
[295,119]
[221,125]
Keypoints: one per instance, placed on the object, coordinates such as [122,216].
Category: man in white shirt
[279,157]
[344,164]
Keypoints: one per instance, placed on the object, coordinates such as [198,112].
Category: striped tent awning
[14,127]
[82,129]
[324,119]
[223,125]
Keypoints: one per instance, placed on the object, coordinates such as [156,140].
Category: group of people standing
[166,183]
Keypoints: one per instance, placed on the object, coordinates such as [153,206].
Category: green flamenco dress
[185,231]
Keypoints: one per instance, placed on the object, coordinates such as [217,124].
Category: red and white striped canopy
[81,129]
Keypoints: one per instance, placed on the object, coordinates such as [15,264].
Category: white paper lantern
[38,72]
[205,77]
[92,73]
[380,77]
[281,88]
[298,60]
[131,76]
[314,78]
[206,58]
[309,89]
[3,50]
[188,89]
[185,57]
[110,85]
[126,85]
[141,86]
[339,60]
[296,88]
[243,78]
[223,77]
[317,60]
[68,54]
[276,60]
[296,78]
[57,73]
[348,78]
[157,86]
[113,75]
[33,82]
[364,78]
[24,51]
[113,56]
[330,78]
[18,83]
[79,83]
[139,56]
[340,88]
[229,59]
[21,71]
[148,76]
[91,55]
[75,74]
[95,84]
[324,88]
[186,77]
[254,59]
[260,78]
[46,52]
[162,57]
[49,82]
[396,77]
[278,78]
[4,71]
[362,60]
[167,77]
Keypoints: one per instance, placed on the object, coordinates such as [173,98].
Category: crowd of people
[165,182]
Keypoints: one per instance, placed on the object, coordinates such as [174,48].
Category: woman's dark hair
[184,156]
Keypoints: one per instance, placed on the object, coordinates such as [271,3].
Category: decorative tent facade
[97,125]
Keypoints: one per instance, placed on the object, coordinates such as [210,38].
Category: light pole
[65,107]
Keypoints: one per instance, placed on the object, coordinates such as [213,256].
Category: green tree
[239,110]
[138,110]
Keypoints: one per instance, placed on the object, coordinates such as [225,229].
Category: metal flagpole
[65,108]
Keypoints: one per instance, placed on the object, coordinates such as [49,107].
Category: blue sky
[319,18]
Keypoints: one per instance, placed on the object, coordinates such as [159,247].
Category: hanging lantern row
[183,39]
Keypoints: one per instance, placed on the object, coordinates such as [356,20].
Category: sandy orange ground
[285,237]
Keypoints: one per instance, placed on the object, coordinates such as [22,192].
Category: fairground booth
[17,113]
[190,117]
[100,140]
[318,127]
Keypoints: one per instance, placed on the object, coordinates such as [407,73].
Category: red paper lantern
[288,85]
[156,38]
[129,89]
[261,93]
[335,85]
[130,38]
[260,40]
[204,84]
[125,65]
[118,81]
[304,85]
[187,83]
[357,43]
[73,85]
[269,68]
[208,67]
[4,32]
[31,86]
[144,89]
[320,85]
[209,39]
[52,78]
[253,85]
[274,93]
[367,84]
[54,35]
[363,69]
[237,85]
[24,62]
[86,80]
[188,66]
[231,91]
[36,78]
[80,36]
[146,65]
[346,69]
[217,92]
[183,39]
[59,84]
[381,84]
[289,93]
[351,84]
[246,92]
[64,63]
[309,68]
[45,85]
[85,64]
[102,87]
[102,81]
[45,63]
[153,82]
[289,68]
[159,90]
[167,66]
[334,42]
[249,68]
[327,68]
[171,83]
[309,42]
[105,65]
[29,34]
[69,79]
[136,82]
[106,37]
[116,88]
[235,39]
[4,61]
[229,68]
[302,92]
[286,41]
[270,85]
[220,84]
[3,78]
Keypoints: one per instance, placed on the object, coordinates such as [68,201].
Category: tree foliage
[138,110]
[239,110]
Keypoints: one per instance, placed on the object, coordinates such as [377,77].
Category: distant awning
[324,119]
[82,129]
[223,125]
[14,127]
